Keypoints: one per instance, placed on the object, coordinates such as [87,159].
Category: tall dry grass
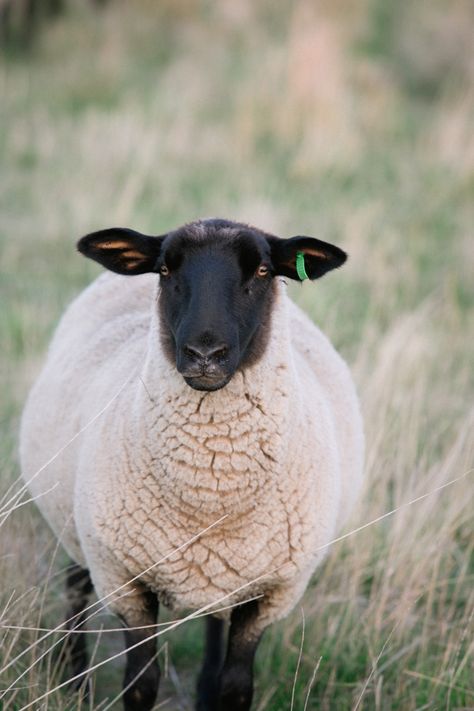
[302,118]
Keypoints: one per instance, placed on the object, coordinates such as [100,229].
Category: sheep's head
[216,290]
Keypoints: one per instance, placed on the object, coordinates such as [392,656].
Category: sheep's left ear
[121,250]
[304,257]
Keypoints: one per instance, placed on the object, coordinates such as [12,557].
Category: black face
[216,293]
[214,304]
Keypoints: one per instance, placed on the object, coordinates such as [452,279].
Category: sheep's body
[277,453]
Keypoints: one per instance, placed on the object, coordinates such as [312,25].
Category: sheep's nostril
[191,353]
[220,353]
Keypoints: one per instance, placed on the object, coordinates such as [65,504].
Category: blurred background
[350,121]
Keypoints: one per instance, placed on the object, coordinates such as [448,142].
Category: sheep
[220,446]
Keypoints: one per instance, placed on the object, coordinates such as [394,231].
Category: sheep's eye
[262,271]
[164,271]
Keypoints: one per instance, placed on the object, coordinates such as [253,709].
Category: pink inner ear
[315,253]
[134,254]
[118,244]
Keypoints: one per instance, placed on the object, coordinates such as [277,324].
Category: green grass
[324,123]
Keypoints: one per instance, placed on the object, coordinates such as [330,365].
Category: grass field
[351,122]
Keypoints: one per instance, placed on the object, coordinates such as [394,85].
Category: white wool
[277,453]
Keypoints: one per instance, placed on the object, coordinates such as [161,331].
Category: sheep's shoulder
[111,308]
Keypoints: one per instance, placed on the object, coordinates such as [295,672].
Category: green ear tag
[300,270]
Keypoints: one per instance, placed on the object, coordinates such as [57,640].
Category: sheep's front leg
[74,651]
[208,681]
[236,684]
[142,672]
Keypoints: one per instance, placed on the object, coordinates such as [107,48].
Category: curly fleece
[276,455]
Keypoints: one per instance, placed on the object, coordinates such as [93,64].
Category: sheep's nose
[201,353]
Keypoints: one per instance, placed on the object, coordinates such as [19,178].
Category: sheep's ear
[121,250]
[304,257]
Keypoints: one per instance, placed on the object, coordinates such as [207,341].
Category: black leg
[142,673]
[236,683]
[74,652]
[208,681]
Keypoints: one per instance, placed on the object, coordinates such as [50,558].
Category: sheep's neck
[217,452]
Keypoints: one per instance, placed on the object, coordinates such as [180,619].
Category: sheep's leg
[208,681]
[236,683]
[74,652]
[142,673]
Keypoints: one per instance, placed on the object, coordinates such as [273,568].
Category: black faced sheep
[231,413]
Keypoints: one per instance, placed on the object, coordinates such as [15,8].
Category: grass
[301,120]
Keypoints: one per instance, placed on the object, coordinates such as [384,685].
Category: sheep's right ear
[121,250]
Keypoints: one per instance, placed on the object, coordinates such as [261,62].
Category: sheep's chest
[215,560]
[212,522]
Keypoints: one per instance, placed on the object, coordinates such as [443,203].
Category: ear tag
[300,268]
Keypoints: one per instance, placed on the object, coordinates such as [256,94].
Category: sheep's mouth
[207,382]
